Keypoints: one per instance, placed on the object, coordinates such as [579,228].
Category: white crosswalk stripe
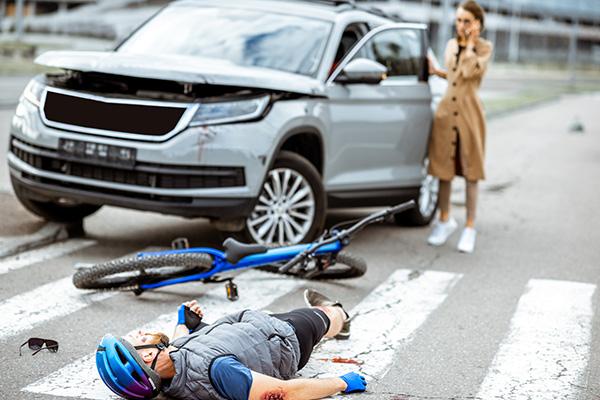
[546,350]
[52,300]
[386,319]
[43,254]
[80,379]
[544,353]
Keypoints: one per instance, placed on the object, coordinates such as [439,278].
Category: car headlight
[239,110]
[33,92]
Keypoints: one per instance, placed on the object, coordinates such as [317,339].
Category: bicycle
[322,259]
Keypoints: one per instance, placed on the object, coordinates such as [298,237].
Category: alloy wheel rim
[285,209]
[428,194]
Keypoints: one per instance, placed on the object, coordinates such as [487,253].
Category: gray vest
[262,343]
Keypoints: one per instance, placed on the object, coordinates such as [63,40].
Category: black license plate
[90,152]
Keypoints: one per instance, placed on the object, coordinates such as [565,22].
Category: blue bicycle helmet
[123,370]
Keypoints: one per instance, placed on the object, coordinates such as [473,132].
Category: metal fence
[529,31]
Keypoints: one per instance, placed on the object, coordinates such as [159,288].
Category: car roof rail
[351,4]
[333,2]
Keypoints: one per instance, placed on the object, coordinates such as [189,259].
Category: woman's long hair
[474,8]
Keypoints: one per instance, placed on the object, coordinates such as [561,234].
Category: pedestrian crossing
[45,253]
[543,354]
[49,301]
[80,378]
[386,319]
[546,348]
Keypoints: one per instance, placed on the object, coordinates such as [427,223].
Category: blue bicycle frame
[220,264]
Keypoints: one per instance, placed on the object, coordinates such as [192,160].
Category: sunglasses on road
[37,344]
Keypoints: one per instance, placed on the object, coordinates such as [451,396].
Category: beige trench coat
[460,115]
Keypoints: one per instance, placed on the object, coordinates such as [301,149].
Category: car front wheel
[291,206]
[53,211]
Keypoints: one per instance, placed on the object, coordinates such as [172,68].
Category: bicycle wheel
[129,273]
[346,266]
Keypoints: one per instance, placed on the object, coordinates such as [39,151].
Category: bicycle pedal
[297,270]
[232,291]
[180,243]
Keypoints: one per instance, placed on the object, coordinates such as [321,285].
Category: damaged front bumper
[205,171]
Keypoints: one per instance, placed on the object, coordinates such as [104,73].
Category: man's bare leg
[336,316]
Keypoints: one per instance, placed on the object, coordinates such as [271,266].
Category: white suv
[257,114]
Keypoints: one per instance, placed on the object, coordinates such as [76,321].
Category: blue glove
[355,382]
[187,317]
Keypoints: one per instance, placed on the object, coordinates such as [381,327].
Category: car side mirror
[362,70]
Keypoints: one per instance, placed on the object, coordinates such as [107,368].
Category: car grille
[142,174]
[141,119]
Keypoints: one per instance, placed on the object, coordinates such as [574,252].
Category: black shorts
[310,324]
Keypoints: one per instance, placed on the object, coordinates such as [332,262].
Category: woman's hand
[473,33]
[433,70]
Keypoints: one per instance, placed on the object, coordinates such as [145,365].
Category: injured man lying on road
[247,355]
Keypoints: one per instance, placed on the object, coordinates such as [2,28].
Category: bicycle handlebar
[377,217]
[370,219]
[402,207]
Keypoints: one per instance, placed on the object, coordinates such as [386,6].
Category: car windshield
[243,37]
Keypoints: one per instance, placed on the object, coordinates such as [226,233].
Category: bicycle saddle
[235,251]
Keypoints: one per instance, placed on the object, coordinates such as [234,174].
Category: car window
[243,37]
[399,50]
[351,36]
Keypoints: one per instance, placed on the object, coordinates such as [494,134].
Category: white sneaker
[441,232]
[466,244]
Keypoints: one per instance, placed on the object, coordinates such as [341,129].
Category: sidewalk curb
[49,233]
[524,107]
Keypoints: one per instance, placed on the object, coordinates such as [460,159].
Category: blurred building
[539,31]
[557,31]
[8,7]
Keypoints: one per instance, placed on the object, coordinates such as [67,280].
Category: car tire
[52,211]
[427,203]
[291,206]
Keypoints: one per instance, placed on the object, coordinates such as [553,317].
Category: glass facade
[538,31]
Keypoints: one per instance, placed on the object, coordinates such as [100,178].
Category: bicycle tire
[111,275]
[354,267]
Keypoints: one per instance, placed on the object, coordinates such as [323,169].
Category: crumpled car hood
[186,69]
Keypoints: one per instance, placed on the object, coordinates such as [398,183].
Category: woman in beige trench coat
[457,140]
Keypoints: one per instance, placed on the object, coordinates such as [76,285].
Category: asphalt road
[515,320]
